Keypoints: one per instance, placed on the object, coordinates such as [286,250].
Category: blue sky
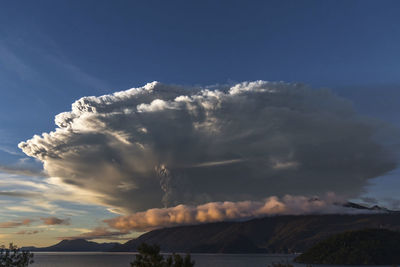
[55,52]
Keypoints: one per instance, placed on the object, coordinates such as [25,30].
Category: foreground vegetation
[370,246]
[15,257]
[149,256]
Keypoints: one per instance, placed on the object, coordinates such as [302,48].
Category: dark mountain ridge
[74,246]
[277,234]
[369,246]
[273,234]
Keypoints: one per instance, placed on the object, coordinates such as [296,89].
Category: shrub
[149,256]
[14,257]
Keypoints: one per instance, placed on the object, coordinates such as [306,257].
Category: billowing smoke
[225,211]
[163,145]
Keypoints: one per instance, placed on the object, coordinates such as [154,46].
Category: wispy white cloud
[13,63]
[217,163]
[77,74]
[10,151]
[23,209]
[38,195]
[25,69]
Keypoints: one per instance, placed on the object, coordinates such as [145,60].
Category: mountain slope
[269,234]
[75,245]
[370,246]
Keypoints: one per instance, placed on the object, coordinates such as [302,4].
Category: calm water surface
[100,259]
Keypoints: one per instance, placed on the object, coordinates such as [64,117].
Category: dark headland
[369,246]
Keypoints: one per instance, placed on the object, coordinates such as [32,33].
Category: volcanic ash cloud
[163,145]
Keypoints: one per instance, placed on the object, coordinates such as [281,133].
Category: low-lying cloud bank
[164,145]
[228,211]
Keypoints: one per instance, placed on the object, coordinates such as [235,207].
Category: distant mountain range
[274,234]
[373,208]
[75,246]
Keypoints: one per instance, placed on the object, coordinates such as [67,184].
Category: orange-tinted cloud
[222,211]
[24,232]
[12,224]
[55,221]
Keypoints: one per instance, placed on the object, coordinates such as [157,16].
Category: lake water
[100,259]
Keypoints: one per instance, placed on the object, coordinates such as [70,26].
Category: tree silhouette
[149,256]
[14,257]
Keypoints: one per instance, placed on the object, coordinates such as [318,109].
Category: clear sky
[52,53]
